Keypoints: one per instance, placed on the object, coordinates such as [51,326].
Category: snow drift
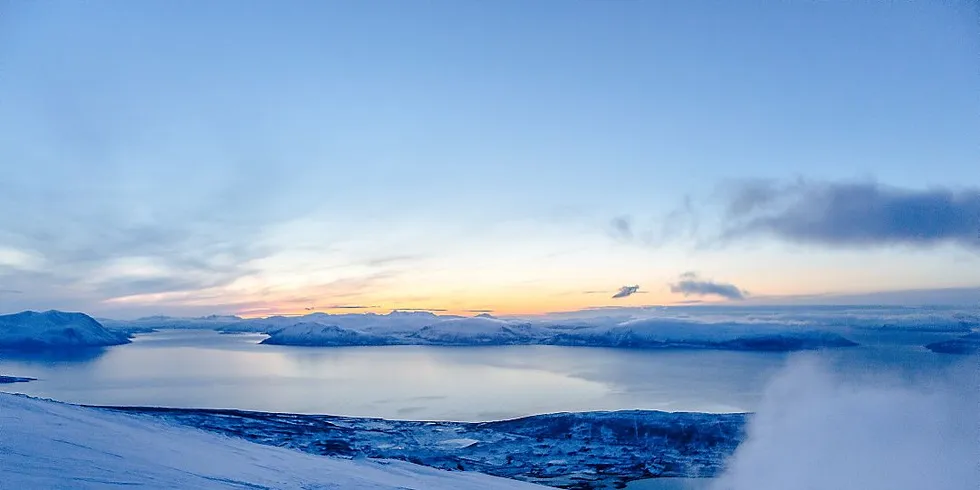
[47,444]
[55,330]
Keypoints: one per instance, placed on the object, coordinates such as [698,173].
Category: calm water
[207,369]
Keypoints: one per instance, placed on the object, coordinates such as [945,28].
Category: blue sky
[228,157]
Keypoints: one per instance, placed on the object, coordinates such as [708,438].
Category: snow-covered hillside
[159,322]
[47,444]
[649,333]
[316,334]
[55,329]
[967,344]
[772,328]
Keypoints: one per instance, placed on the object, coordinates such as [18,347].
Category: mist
[818,428]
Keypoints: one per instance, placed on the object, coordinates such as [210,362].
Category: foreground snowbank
[52,445]
[55,330]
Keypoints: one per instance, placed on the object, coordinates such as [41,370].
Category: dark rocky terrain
[570,450]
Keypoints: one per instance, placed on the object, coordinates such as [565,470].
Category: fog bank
[820,429]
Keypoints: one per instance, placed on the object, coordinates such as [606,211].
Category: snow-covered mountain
[477,331]
[394,323]
[160,322]
[55,329]
[47,444]
[316,334]
[967,344]
[768,328]
[643,334]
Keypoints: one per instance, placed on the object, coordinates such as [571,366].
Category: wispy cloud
[420,309]
[680,223]
[855,214]
[691,284]
[621,228]
[19,260]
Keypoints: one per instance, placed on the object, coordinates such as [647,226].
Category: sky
[181,157]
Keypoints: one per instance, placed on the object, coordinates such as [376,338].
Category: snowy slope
[55,329]
[47,444]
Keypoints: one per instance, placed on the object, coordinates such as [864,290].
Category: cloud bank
[691,284]
[815,430]
[855,214]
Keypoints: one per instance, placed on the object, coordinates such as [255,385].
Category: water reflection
[53,356]
[207,369]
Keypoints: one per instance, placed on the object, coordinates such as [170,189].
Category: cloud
[690,284]
[681,222]
[12,258]
[621,228]
[626,291]
[420,309]
[818,427]
[853,214]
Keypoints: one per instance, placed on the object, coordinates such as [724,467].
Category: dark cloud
[626,291]
[853,214]
[690,284]
[349,307]
[479,311]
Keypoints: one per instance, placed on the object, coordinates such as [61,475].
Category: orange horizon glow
[527,307]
